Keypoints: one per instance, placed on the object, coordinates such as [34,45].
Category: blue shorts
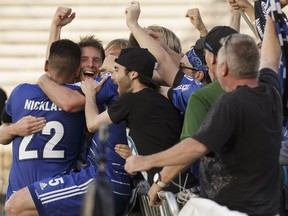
[63,194]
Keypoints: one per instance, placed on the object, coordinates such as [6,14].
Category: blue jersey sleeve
[108,93]
[181,93]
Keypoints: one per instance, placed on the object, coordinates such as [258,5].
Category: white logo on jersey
[40,105]
[42,185]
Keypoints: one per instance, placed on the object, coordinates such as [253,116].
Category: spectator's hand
[63,16]
[153,195]
[243,5]
[123,150]
[108,64]
[196,20]
[155,35]
[135,163]
[28,125]
[132,13]
[91,87]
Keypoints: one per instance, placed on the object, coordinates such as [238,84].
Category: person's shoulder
[215,85]
[267,71]
[127,96]
[268,76]
[2,91]
[212,89]
[24,86]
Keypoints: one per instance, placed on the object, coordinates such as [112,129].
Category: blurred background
[24,29]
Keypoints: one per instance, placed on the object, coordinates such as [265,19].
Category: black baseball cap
[141,61]
[214,36]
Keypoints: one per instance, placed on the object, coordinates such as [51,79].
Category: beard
[124,86]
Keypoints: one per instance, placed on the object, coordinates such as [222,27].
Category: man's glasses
[225,41]
[182,66]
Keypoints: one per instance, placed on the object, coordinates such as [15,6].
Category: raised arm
[65,98]
[235,17]
[166,67]
[195,18]
[62,17]
[270,51]
[244,7]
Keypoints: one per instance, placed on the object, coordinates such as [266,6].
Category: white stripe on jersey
[122,183]
[63,197]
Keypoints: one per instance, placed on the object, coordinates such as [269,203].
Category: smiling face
[91,61]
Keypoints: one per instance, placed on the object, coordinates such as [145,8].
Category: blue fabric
[50,152]
[182,92]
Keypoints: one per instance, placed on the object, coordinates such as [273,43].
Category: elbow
[92,128]
[72,107]
[5,142]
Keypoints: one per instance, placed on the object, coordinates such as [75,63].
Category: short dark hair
[64,56]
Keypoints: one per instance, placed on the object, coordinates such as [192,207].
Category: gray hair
[241,54]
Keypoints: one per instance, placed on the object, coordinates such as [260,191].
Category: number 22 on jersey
[48,151]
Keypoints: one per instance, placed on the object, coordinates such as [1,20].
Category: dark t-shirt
[3,98]
[243,130]
[155,124]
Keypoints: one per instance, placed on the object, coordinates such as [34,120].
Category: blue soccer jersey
[179,95]
[50,152]
[63,194]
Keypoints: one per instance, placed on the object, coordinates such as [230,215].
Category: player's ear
[199,75]
[46,66]
[133,74]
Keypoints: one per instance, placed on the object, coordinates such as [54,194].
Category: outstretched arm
[166,68]
[189,149]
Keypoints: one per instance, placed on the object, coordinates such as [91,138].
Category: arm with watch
[189,149]
[162,180]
